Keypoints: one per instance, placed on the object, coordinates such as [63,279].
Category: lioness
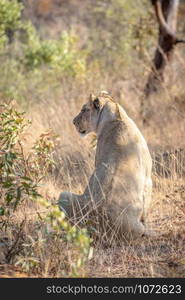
[121,182]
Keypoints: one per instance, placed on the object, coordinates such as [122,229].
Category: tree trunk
[166,13]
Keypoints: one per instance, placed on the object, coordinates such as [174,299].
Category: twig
[12,249]
[177,111]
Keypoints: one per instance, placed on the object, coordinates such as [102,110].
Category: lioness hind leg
[72,205]
[65,202]
[147,197]
[129,226]
[135,229]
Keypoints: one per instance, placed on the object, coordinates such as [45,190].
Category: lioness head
[88,118]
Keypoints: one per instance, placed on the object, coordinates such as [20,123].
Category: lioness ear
[96,103]
[104,94]
[91,97]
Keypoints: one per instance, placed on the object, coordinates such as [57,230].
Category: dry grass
[160,256]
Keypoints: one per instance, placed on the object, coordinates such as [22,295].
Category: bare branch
[161,19]
[166,14]
[178,41]
[163,24]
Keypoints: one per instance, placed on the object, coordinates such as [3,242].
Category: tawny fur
[121,182]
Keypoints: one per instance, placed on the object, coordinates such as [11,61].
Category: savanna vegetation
[53,54]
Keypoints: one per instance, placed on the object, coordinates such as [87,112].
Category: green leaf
[18,197]
[7,184]
[9,197]
[26,178]
[2,211]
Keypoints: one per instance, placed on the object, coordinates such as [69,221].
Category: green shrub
[62,55]
[29,62]
[10,14]
[124,32]
[20,178]
[14,182]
